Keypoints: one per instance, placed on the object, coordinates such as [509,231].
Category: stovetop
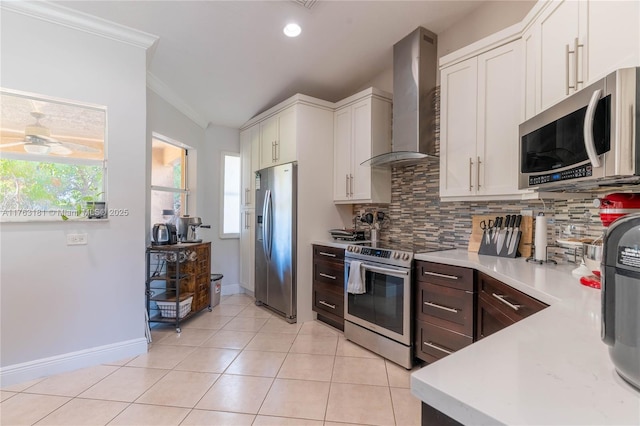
[398,254]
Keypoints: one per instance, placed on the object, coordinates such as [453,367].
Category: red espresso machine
[612,206]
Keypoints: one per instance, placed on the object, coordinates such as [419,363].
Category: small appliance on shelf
[347,235]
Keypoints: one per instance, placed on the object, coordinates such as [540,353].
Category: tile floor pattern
[237,365]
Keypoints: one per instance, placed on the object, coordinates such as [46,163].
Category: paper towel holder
[546,256]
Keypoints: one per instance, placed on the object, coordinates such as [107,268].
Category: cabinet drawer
[446,307]
[329,302]
[490,318]
[436,342]
[329,273]
[446,275]
[511,302]
[328,253]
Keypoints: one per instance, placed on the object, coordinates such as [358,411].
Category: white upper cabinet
[481,107]
[249,153]
[571,44]
[362,129]
[278,139]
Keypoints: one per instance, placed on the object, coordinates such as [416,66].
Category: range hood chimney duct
[414,84]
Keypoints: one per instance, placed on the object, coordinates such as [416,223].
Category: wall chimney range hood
[414,85]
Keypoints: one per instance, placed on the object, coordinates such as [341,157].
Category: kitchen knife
[493,231]
[501,235]
[497,229]
[511,219]
[514,239]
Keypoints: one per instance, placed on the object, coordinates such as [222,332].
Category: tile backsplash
[418,217]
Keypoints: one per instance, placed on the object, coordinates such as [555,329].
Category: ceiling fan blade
[7,145]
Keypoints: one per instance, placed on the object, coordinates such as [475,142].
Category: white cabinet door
[342,135]
[530,75]
[559,29]
[268,138]
[613,37]
[360,182]
[248,157]
[255,151]
[499,114]
[458,114]
[286,142]
[247,246]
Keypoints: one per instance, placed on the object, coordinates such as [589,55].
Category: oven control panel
[381,255]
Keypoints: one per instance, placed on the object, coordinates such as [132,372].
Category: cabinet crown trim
[297,99]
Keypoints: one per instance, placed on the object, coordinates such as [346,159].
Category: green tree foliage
[47,186]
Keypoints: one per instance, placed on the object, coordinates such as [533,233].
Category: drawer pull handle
[444,308]
[327,276]
[329,305]
[431,345]
[324,253]
[435,274]
[501,298]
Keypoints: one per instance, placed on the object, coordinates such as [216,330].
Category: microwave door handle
[588,129]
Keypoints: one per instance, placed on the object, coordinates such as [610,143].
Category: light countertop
[549,368]
[338,243]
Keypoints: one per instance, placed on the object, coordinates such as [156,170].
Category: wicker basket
[168,309]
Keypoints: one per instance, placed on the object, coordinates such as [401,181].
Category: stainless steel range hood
[415,65]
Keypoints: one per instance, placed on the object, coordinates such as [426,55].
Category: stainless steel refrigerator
[275,260]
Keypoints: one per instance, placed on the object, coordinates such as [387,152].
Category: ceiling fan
[38,140]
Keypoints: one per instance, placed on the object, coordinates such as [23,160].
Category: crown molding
[166,93]
[71,18]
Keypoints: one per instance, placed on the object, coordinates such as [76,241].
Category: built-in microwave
[587,140]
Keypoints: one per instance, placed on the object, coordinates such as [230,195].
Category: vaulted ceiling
[229,60]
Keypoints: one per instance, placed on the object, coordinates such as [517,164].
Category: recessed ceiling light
[292,30]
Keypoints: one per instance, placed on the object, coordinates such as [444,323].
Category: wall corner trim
[166,93]
[26,371]
[81,21]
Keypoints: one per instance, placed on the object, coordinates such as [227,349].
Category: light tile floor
[237,365]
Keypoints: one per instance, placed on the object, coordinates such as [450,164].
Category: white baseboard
[231,289]
[26,371]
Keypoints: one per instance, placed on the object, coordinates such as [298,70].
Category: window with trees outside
[169,189]
[52,158]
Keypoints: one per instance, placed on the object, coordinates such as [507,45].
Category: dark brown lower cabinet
[433,417]
[328,285]
[500,305]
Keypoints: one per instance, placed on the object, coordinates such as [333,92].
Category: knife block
[490,247]
[524,237]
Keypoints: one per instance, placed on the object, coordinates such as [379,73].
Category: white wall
[59,301]
[225,253]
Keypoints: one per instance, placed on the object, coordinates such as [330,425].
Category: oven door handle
[384,270]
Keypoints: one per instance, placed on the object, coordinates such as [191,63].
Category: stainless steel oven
[379,317]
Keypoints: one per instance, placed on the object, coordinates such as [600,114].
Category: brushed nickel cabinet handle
[470,172]
[351,185]
[501,297]
[444,308]
[576,46]
[346,190]
[324,253]
[478,173]
[327,276]
[435,274]
[566,63]
[431,345]
[322,302]
[277,150]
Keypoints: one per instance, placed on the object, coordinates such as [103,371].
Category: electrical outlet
[76,239]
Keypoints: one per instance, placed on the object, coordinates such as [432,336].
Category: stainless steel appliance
[187,226]
[621,296]
[379,319]
[587,140]
[415,69]
[275,260]
[163,234]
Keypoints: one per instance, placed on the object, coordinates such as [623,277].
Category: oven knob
[349,248]
[356,249]
[396,255]
[405,256]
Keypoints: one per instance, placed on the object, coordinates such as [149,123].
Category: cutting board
[526,226]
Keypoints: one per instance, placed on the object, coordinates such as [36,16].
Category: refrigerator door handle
[265,223]
[269,222]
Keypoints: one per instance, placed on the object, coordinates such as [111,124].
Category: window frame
[57,215]
[185,174]
[223,155]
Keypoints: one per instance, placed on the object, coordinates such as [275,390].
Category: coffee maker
[621,296]
[187,226]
